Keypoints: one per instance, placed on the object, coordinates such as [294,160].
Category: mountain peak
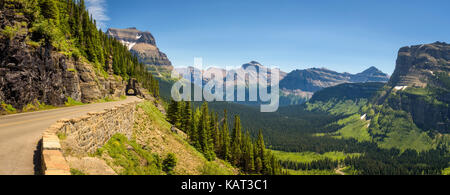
[372,69]
[417,65]
[142,44]
[252,64]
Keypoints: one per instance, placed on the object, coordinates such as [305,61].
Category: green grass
[11,31]
[311,172]
[308,157]
[399,131]
[37,106]
[446,171]
[62,136]
[76,172]
[155,115]
[106,99]
[337,107]
[130,156]
[354,128]
[8,108]
[350,171]
[403,139]
[212,168]
[72,102]
[417,91]
[72,70]
[158,121]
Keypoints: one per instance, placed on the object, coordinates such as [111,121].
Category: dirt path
[339,171]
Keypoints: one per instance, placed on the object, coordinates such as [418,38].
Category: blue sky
[342,35]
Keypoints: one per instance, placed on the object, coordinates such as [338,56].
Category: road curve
[20,134]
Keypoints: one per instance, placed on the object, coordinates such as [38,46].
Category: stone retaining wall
[83,135]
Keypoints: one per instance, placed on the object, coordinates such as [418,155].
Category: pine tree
[173,113]
[236,142]
[194,129]
[226,150]
[217,135]
[186,118]
[204,133]
[249,162]
[258,165]
[49,9]
[260,150]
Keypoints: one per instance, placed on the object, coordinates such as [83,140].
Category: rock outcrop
[418,65]
[423,77]
[29,72]
[142,44]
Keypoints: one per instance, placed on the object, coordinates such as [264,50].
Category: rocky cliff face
[418,65]
[420,85]
[38,73]
[142,44]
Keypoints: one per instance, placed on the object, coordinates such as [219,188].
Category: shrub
[169,164]
[76,172]
[72,102]
[8,108]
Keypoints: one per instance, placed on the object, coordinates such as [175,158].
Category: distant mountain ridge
[142,44]
[296,84]
[315,79]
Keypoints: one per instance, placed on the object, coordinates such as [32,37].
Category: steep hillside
[412,110]
[420,86]
[142,44]
[51,51]
[152,141]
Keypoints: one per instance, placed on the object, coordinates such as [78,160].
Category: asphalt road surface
[21,133]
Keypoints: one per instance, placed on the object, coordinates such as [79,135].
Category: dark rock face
[424,68]
[142,44]
[418,65]
[29,73]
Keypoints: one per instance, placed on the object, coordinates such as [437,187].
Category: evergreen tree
[260,148]
[226,150]
[49,9]
[249,161]
[217,135]
[204,133]
[173,113]
[169,163]
[194,129]
[236,142]
[187,118]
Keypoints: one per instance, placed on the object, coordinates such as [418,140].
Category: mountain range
[298,83]
[142,44]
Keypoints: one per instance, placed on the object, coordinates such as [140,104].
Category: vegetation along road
[20,134]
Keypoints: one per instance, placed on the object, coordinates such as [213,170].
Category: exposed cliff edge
[29,74]
[420,85]
[142,44]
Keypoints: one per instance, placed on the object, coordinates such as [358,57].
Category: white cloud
[97,8]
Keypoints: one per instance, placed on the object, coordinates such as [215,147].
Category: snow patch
[400,88]
[363,117]
[129,45]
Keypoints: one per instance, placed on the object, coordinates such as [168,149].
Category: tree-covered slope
[51,50]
